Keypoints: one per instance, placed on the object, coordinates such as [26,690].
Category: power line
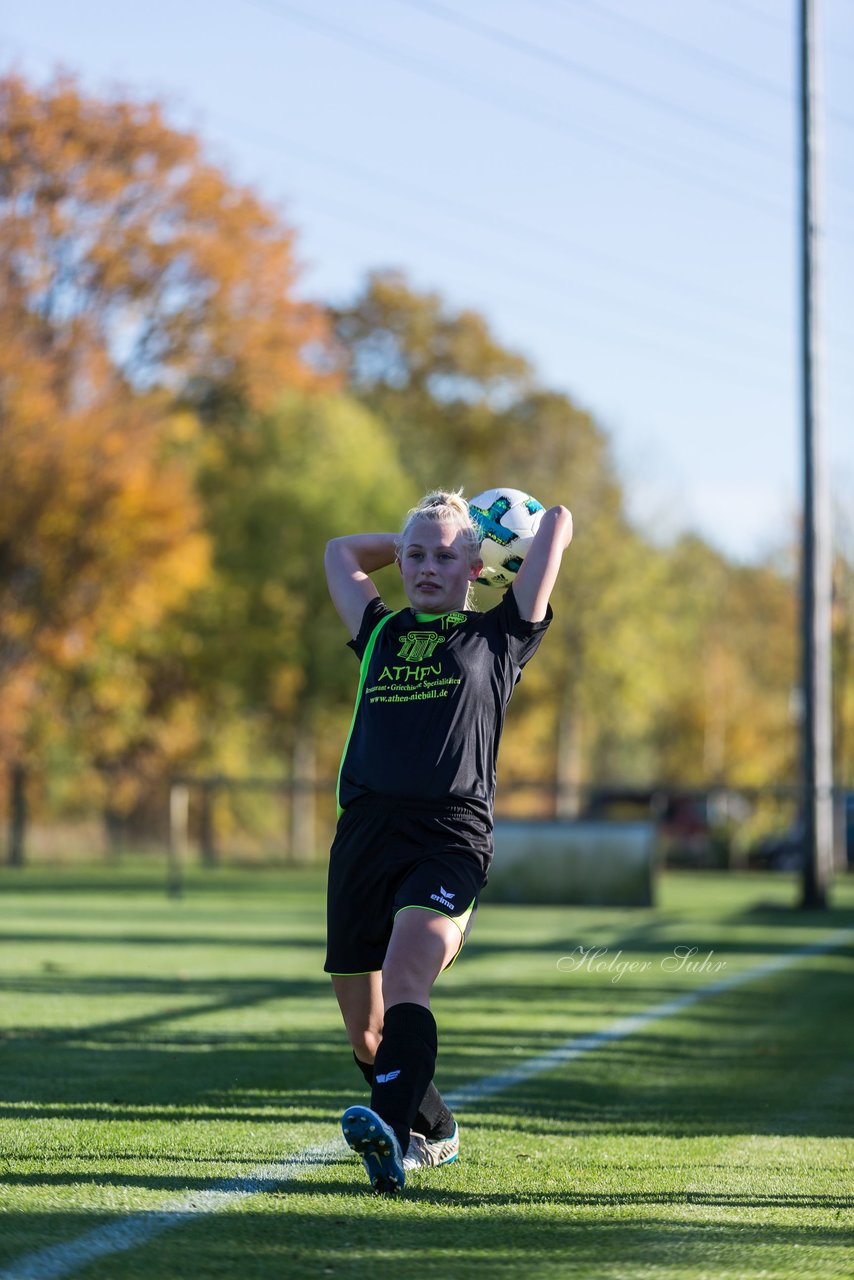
[578,132]
[750,11]
[601,299]
[543,234]
[667,346]
[690,52]
[699,56]
[834,47]
[604,80]
[491,218]
[511,226]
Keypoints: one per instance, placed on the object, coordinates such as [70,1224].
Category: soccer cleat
[429,1153]
[371,1138]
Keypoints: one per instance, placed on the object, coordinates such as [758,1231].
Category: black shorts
[388,855]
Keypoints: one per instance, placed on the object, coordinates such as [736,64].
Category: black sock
[404,1066]
[434,1117]
[366,1068]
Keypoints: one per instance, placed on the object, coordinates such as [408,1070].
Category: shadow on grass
[351,1182]
[744,1060]
[510,1236]
[659,943]
[757,1059]
[153,881]
[158,939]
[774,915]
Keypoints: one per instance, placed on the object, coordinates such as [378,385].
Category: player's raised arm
[348,561]
[537,575]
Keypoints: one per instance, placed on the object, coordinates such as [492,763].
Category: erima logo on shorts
[445,897]
[388,1077]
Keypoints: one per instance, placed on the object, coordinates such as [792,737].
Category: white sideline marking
[129,1233]
[624,1027]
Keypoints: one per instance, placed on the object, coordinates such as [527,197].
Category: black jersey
[431,701]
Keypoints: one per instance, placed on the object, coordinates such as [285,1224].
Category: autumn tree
[135,277]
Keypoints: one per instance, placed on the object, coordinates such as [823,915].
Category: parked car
[780,851]
[690,830]
[784,850]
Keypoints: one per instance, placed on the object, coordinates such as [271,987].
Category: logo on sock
[387,1078]
[445,897]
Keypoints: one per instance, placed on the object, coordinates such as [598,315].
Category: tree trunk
[179,821]
[207,832]
[17,813]
[568,757]
[842,645]
[115,828]
[714,715]
[303,833]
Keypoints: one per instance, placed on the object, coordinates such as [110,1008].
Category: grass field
[158,1054]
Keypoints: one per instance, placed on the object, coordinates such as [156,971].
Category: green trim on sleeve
[363,675]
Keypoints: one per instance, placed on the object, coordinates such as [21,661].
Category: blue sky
[612,184]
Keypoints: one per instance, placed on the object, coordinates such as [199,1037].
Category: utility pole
[816,567]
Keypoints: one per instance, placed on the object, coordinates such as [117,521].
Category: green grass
[151,1048]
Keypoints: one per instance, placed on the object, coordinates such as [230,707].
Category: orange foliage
[133,275]
[117,234]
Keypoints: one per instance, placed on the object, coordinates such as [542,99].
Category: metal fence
[281,821]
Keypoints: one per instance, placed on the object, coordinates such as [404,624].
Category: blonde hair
[445,507]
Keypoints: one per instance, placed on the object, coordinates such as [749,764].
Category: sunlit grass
[155,1048]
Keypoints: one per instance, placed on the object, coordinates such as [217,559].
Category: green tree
[437,378]
[466,411]
[276,487]
[569,698]
[663,663]
[728,640]
[843,651]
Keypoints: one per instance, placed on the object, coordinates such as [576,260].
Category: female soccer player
[415,797]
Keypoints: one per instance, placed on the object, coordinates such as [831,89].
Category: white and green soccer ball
[508,520]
